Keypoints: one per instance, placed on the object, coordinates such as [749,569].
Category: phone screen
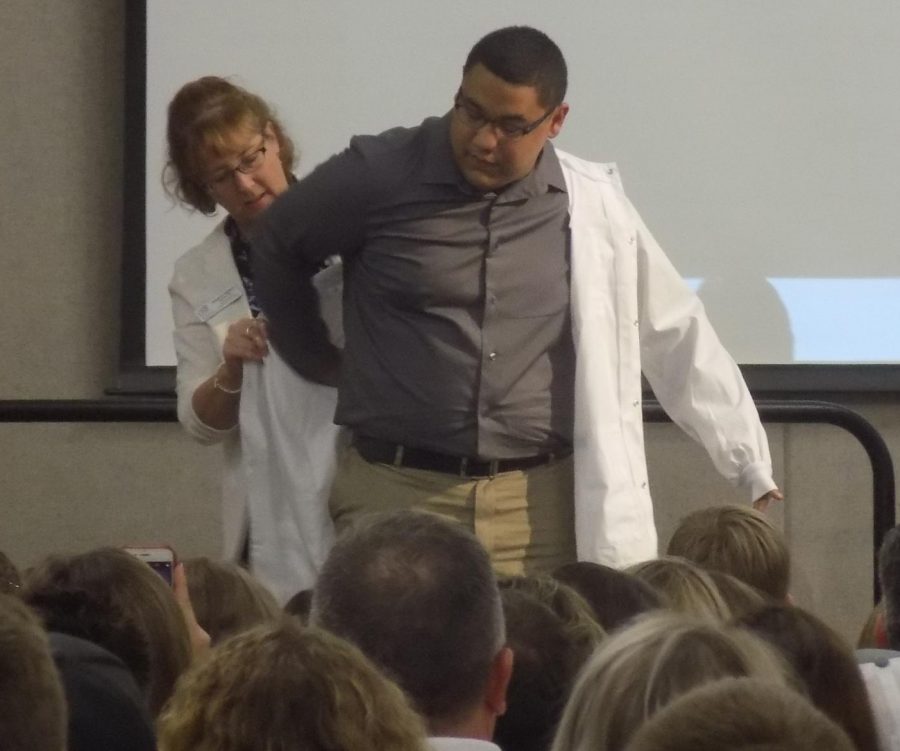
[163,568]
[160,559]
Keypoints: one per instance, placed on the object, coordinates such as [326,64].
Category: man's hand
[762,503]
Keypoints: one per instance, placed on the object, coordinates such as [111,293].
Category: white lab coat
[632,311]
[289,445]
[207,297]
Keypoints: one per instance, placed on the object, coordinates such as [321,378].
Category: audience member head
[740,714]
[112,599]
[32,704]
[889,575]
[285,686]
[740,541]
[685,587]
[299,605]
[614,596]
[550,648]
[10,579]
[227,599]
[523,56]
[417,595]
[212,126]
[106,708]
[644,666]
[824,663]
[739,597]
[564,601]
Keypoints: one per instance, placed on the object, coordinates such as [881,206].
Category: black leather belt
[385,452]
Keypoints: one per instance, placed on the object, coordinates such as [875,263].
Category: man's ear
[559,117]
[498,681]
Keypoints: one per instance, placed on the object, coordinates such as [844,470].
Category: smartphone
[160,558]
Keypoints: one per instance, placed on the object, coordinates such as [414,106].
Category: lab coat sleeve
[695,379]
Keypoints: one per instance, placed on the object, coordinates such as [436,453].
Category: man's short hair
[739,541]
[417,595]
[740,714]
[32,703]
[523,56]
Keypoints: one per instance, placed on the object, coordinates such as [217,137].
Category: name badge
[219,302]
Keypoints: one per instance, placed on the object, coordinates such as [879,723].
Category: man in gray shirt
[458,374]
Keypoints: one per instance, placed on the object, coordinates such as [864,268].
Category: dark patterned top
[240,251]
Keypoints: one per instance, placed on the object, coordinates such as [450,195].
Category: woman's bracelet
[224,389]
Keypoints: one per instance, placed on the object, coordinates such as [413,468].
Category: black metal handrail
[162,409]
[883,515]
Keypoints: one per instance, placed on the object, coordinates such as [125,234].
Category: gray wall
[69,487]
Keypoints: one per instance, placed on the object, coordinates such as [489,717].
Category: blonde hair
[684,586]
[740,714]
[285,686]
[203,116]
[33,709]
[739,596]
[227,599]
[739,541]
[642,668]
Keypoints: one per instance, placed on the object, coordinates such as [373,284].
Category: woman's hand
[216,400]
[199,638]
[247,339]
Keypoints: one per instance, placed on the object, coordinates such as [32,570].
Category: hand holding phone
[160,558]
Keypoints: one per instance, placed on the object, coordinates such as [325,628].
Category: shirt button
[492,356]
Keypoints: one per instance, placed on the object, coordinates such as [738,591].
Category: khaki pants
[525,519]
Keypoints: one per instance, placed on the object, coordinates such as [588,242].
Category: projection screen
[758,140]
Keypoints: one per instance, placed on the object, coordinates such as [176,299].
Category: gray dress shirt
[456,303]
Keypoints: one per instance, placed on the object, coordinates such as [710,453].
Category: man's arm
[695,379]
[320,216]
